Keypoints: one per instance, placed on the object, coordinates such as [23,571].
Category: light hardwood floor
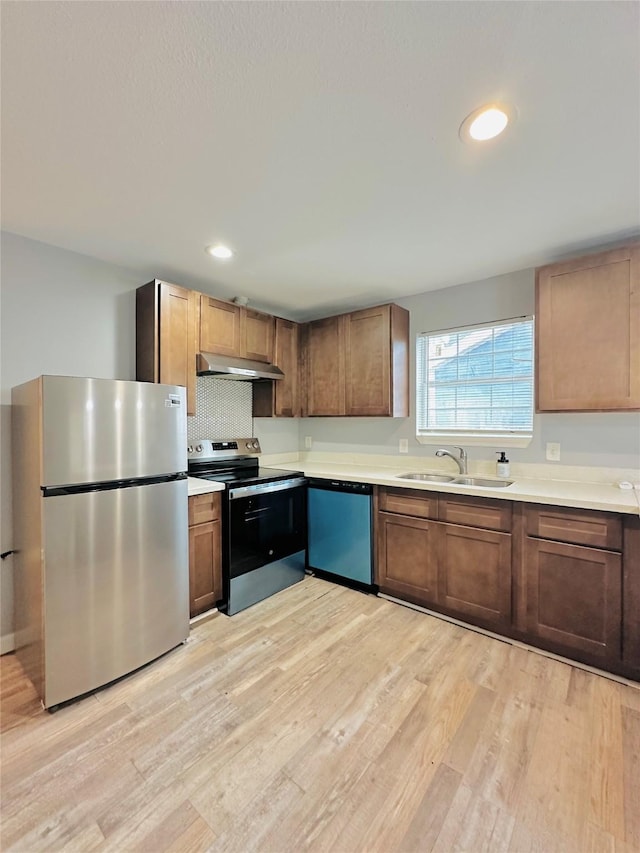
[325,719]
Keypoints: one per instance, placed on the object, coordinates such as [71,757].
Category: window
[476,382]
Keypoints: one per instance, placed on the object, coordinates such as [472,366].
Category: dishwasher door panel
[340,534]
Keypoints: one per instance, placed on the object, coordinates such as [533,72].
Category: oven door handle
[266,488]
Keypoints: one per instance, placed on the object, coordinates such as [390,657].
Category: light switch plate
[553,451]
[403,445]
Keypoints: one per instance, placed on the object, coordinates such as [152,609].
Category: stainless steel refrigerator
[100,527]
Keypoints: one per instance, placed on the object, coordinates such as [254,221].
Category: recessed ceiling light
[486,122]
[222,253]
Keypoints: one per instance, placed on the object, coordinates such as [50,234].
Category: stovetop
[246,477]
[232,461]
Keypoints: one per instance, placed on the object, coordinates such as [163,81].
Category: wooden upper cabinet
[258,334]
[166,336]
[220,327]
[377,362]
[325,366]
[588,333]
[228,329]
[280,398]
[357,364]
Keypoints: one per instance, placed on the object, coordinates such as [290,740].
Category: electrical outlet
[308,442]
[553,451]
[403,445]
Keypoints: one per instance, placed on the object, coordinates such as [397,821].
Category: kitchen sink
[427,478]
[480,481]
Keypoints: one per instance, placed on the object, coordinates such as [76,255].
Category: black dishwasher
[340,531]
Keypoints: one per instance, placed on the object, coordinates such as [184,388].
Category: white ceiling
[319,140]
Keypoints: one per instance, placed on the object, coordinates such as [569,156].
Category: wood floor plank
[323,719]
[474,824]
[606,796]
[631,775]
[183,829]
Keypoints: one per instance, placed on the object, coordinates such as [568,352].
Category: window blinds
[477,379]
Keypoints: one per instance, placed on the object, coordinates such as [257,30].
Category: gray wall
[610,440]
[62,313]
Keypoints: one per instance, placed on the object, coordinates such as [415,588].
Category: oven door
[267,522]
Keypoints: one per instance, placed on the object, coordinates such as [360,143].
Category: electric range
[264,519]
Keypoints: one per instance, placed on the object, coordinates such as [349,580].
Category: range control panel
[203,449]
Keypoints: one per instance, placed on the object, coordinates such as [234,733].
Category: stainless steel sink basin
[480,481]
[427,478]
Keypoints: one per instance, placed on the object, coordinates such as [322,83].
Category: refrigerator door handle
[56,491]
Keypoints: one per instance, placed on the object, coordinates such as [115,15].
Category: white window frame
[487,438]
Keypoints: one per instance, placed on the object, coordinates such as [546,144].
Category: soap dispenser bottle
[502,465]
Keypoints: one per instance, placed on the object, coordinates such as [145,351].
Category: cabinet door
[406,558]
[205,567]
[376,362]
[177,340]
[474,574]
[287,404]
[574,599]
[368,362]
[220,327]
[631,593]
[588,333]
[280,398]
[258,335]
[325,367]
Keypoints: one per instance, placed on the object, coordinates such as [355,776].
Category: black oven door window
[265,528]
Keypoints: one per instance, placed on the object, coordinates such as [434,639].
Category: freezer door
[116,583]
[97,430]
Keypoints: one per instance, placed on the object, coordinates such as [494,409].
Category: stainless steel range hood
[226,367]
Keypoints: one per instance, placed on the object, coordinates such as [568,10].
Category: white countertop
[584,495]
[197,486]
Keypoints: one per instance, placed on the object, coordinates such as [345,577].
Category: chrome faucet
[460,462]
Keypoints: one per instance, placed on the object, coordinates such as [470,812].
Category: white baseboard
[7,643]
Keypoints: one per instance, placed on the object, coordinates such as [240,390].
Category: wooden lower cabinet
[631,595]
[566,580]
[574,599]
[474,574]
[460,569]
[407,565]
[205,553]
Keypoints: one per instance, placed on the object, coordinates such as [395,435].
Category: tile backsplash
[223,409]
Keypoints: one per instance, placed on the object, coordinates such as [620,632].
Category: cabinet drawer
[409,502]
[471,511]
[203,508]
[579,527]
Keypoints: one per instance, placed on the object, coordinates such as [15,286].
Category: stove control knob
[255,444]
[198,448]
[189,449]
